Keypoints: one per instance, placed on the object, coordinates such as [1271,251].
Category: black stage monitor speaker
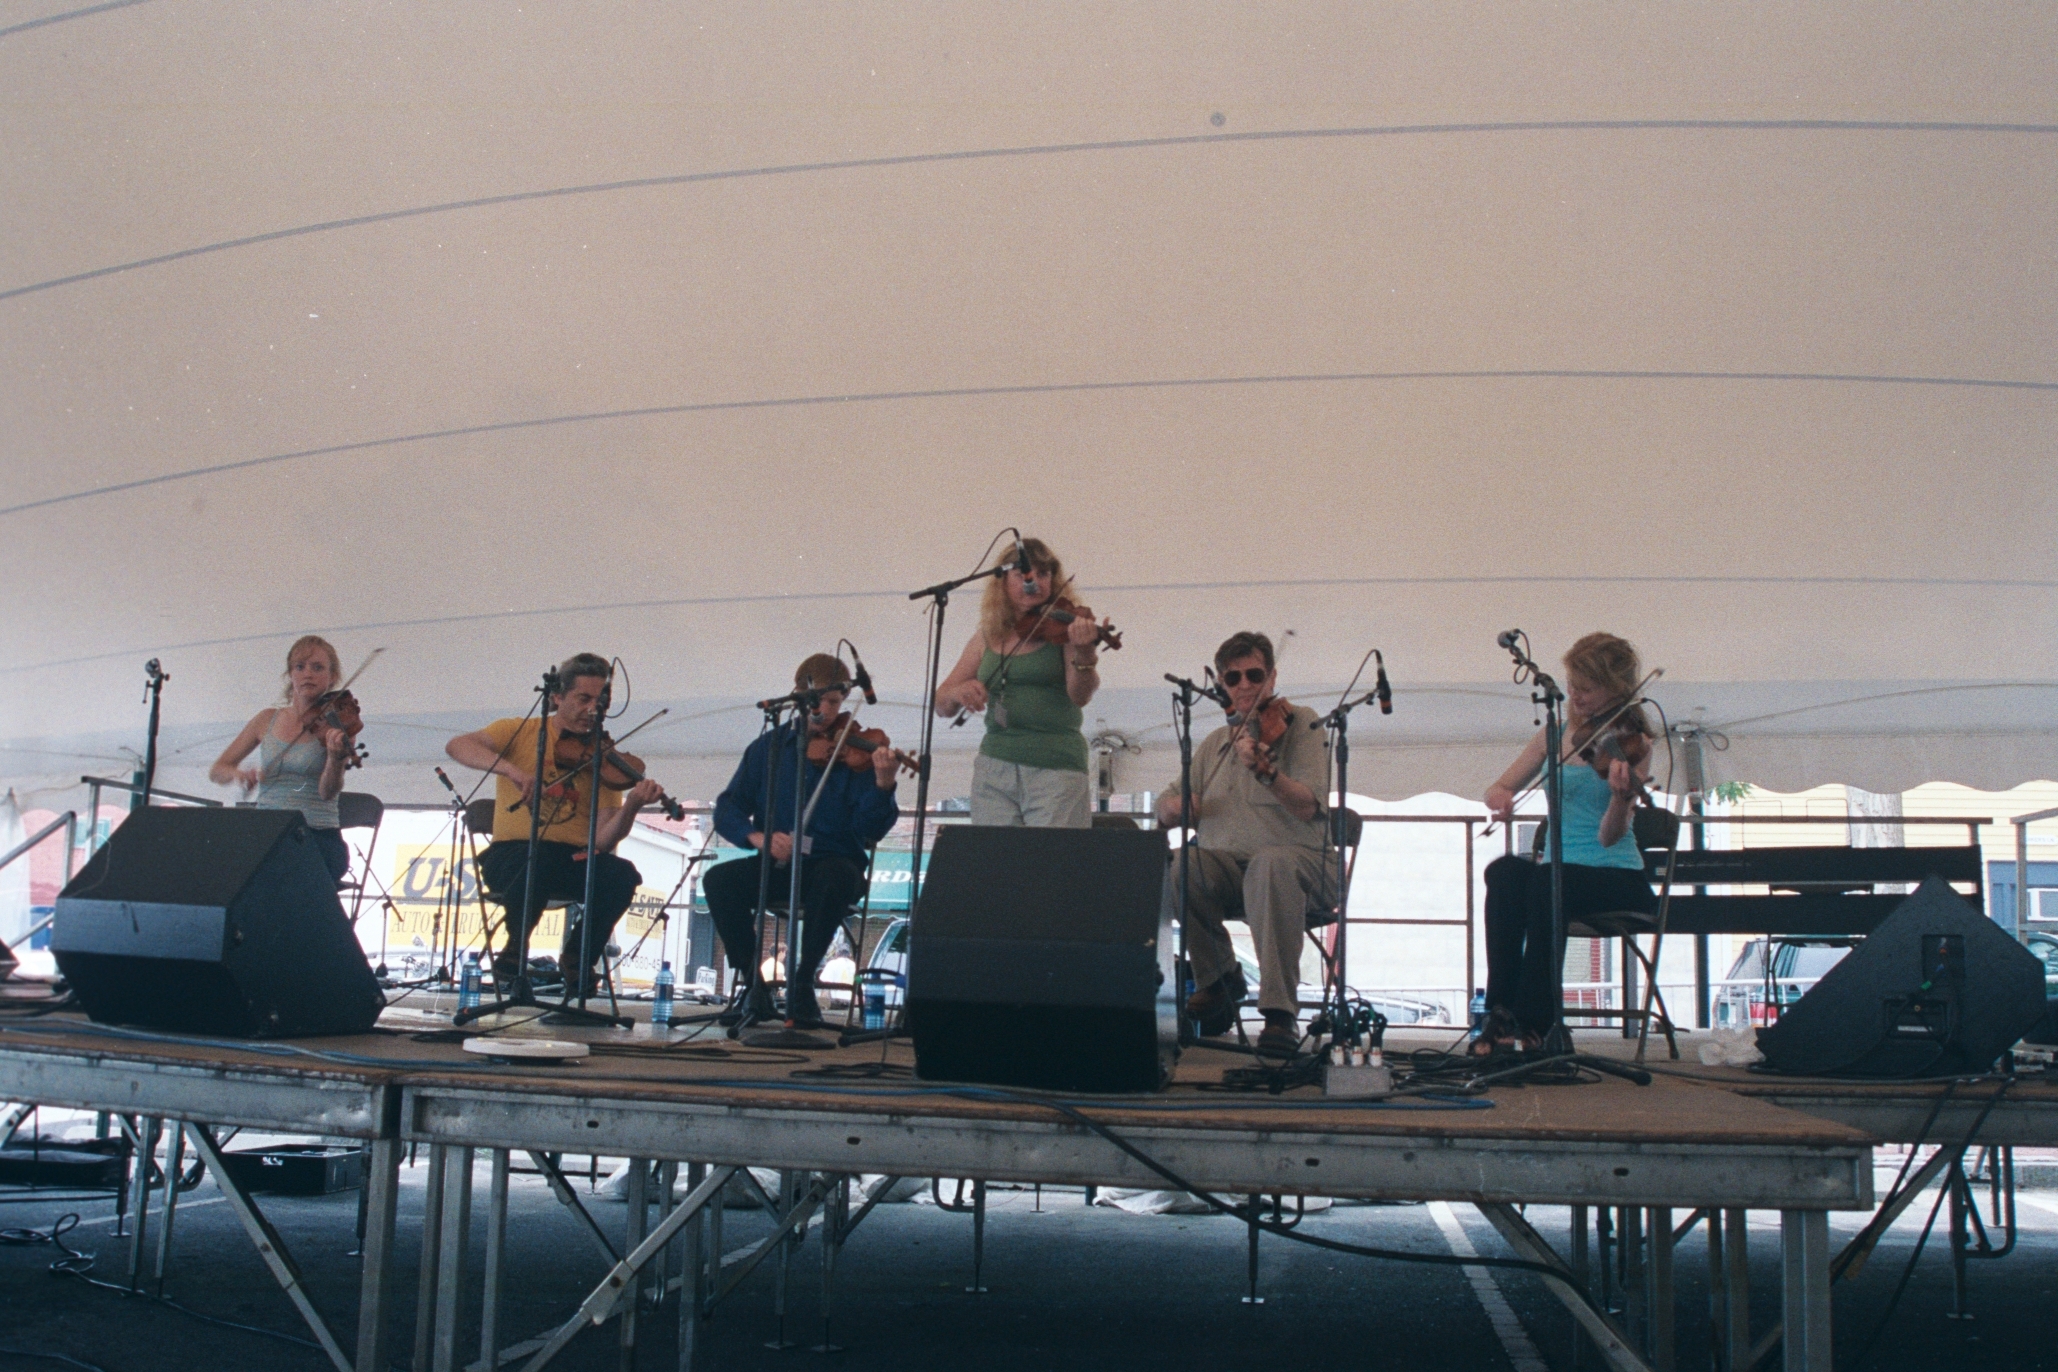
[1937,989]
[1037,958]
[218,922]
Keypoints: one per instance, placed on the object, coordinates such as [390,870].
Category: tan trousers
[1272,892]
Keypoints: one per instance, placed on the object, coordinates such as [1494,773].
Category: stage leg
[174,1160]
[425,1286]
[456,1227]
[632,1239]
[1582,1277]
[781,1271]
[145,1140]
[496,1257]
[835,1214]
[375,1280]
[1662,1349]
[1804,1258]
[693,1272]
[1736,1286]
[1629,1247]
[978,1286]
[667,1186]
[1718,1296]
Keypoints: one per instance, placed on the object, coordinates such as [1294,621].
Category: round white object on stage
[525,1050]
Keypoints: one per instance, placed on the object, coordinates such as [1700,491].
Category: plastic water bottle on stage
[661,998]
[1478,1008]
[468,986]
[875,1005]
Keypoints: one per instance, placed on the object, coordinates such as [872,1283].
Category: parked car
[889,961]
[1795,968]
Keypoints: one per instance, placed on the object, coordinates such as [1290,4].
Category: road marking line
[1506,1326]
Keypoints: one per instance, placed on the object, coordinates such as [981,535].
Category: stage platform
[1695,1139]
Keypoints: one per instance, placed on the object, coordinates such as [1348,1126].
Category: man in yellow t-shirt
[507,748]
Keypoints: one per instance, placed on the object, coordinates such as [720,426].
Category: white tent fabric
[700,335]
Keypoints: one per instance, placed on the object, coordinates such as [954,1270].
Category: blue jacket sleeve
[872,811]
[736,816]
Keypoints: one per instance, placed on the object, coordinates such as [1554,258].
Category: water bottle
[875,1005]
[1478,1008]
[468,983]
[661,999]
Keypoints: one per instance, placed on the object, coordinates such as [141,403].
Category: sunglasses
[1255,676]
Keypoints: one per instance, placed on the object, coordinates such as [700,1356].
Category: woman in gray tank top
[300,764]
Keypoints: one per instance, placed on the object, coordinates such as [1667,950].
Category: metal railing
[69,822]
[1467,923]
[95,785]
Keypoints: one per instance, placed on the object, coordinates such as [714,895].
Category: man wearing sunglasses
[1259,822]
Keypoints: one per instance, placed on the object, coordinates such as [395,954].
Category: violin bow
[1620,708]
[370,658]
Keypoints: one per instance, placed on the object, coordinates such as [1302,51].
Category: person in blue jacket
[856,810]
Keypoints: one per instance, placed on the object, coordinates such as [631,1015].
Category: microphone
[1508,639]
[863,678]
[1215,690]
[1022,557]
[444,777]
[1381,688]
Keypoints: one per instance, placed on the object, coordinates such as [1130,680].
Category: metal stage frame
[701,1132]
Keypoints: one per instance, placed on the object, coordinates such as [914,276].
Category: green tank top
[1030,721]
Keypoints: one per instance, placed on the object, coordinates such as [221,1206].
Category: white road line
[157,1215]
[1514,1338]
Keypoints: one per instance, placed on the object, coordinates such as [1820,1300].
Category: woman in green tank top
[1031,767]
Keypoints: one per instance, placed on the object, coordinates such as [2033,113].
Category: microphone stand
[1189,823]
[154,678]
[940,593]
[789,1034]
[1337,722]
[1551,698]
[522,995]
[566,1012]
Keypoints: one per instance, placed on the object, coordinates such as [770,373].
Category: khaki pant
[1007,793]
[1271,891]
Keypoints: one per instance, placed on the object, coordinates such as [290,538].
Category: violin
[338,709]
[1623,740]
[1052,623]
[1265,726]
[856,747]
[618,770]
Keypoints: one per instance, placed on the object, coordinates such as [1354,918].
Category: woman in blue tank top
[1604,869]
[302,763]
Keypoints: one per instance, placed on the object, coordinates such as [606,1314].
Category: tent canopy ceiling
[701,336]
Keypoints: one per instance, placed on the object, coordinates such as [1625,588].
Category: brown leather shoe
[1213,1008]
[1281,1037]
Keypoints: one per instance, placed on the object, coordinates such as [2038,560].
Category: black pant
[560,875]
[829,886]
[1520,957]
[335,853]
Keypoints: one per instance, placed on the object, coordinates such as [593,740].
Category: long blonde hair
[997,615]
[301,644]
[1611,664]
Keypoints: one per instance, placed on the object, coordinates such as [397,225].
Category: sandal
[1497,1033]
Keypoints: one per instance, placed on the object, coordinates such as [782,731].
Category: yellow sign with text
[429,910]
